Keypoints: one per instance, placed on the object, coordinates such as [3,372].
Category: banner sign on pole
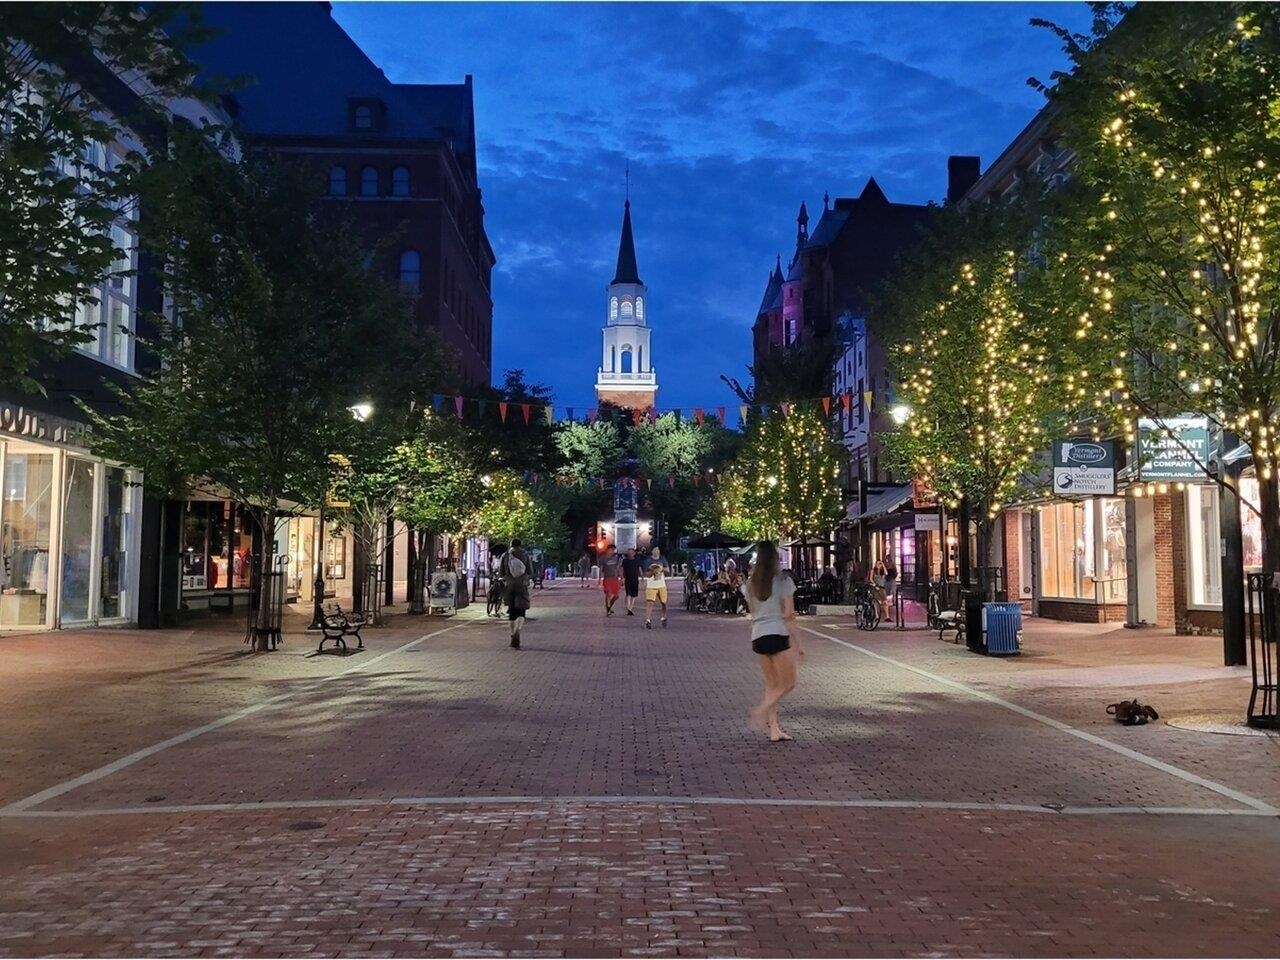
[1173,448]
[1084,468]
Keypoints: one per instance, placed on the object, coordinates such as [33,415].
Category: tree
[682,450]
[1173,115]
[510,510]
[60,188]
[281,328]
[443,488]
[785,481]
[796,372]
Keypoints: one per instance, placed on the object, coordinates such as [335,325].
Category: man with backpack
[514,569]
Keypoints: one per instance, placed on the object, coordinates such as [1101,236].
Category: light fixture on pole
[900,413]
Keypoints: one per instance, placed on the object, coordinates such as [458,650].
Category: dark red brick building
[402,155]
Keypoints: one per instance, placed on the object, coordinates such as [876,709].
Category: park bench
[946,612]
[336,626]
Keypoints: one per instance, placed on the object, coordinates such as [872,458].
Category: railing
[1262,618]
[647,377]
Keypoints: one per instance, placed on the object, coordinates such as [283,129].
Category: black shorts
[769,645]
[632,587]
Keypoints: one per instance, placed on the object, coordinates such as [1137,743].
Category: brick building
[403,156]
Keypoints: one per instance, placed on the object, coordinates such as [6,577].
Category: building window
[364,117]
[338,182]
[110,322]
[639,308]
[628,309]
[400,182]
[410,271]
[613,308]
[369,182]
[1204,566]
[1082,550]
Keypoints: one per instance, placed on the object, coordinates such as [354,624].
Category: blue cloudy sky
[730,116]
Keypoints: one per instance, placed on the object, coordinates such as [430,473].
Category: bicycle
[494,603]
[866,608]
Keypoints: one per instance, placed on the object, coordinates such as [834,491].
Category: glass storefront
[1204,545]
[1082,550]
[66,537]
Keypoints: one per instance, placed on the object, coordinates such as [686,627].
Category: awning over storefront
[880,503]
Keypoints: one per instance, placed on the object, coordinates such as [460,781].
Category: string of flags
[546,413]
[533,478]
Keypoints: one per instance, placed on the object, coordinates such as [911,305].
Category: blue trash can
[1004,628]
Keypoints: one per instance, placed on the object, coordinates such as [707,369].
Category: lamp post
[360,412]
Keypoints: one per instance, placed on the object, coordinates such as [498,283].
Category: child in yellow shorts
[655,589]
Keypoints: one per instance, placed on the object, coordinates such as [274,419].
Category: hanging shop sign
[1173,448]
[929,522]
[923,497]
[1084,468]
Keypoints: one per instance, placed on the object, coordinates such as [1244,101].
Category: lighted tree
[978,375]
[511,509]
[1174,113]
[785,481]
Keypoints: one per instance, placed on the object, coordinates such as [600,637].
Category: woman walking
[769,593]
[515,588]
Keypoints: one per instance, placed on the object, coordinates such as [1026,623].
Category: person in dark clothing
[515,588]
[631,579]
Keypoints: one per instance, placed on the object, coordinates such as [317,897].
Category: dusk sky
[730,116]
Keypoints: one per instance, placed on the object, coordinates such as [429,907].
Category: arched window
[410,271]
[400,182]
[338,182]
[613,308]
[639,308]
[626,360]
[364,117]
[627,308]
[369,182]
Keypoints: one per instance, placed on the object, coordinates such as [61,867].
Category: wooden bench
[337,626]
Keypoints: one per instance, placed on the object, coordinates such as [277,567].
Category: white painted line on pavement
[1261,806]
[489,801]
[116,766]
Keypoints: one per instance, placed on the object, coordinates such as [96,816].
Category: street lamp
[900,413]
[361,412]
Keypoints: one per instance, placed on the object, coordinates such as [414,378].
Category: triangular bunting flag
[480,407]
[867,397]
[697,478]
[742,413]
[697,415]
[846,400]
[826,405]
[549,414]
[592,414]
[457,405]
[502,410]
[677,413]
[636,416]
[786,408]
[568,413]
[527,410]
[721,411]
[653,415]
[671,481]
[436,400]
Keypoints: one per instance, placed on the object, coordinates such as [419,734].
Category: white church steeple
[626,376]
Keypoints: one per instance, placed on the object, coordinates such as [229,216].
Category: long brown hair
[765,570]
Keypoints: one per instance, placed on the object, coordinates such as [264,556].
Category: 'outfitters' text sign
[1084,468]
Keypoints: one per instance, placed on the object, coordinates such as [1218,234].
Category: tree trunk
[986,545]
[265,559]
[1269,507]
[418,602]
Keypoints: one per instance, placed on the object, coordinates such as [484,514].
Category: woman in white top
[769,593]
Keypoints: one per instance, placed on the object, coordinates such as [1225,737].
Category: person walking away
[610,578]
[890,585]
[770,593]
[655,591]
[879,579]
[515,588]
[584,568]
[631,579]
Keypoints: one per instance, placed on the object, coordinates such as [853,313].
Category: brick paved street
[598,793]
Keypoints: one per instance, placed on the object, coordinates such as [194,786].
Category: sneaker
[515,643]
[631,613]
[664,622]
[648,625]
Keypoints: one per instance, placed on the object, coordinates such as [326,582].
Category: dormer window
[366,115]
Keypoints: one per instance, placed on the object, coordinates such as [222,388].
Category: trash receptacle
[1004,627]
[973,620]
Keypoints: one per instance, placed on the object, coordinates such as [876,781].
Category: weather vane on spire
[628,181]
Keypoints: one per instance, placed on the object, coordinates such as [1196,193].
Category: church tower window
[627,309]
[613,308]
[626,360]
[639,308]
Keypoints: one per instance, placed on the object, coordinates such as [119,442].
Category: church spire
[627,271]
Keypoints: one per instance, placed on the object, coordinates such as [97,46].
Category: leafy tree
[281,329]
[797,372]
[511,510]
[1173,115]
[60,191]
[785,482]
[681,449]
[588,451]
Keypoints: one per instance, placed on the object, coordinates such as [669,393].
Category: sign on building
[929,522]
[1084,468]
[1173,448]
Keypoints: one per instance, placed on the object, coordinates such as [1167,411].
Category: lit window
[364,117]
[410,271]
[639,308]
[613,308]
[627,308]
[400,182]
[369,182]
[338,182]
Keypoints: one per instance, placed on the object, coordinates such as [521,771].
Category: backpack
[515,566]
[1132,713]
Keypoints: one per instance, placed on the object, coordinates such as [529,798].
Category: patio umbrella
[716,542]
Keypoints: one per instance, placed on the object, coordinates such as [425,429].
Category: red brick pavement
[595,708]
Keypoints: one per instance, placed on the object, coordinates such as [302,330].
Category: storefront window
[336,558]
[115,535]
[77,539]
[195,546]
[25,518]
[1083,550]
[1204,567]
[1251,524]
